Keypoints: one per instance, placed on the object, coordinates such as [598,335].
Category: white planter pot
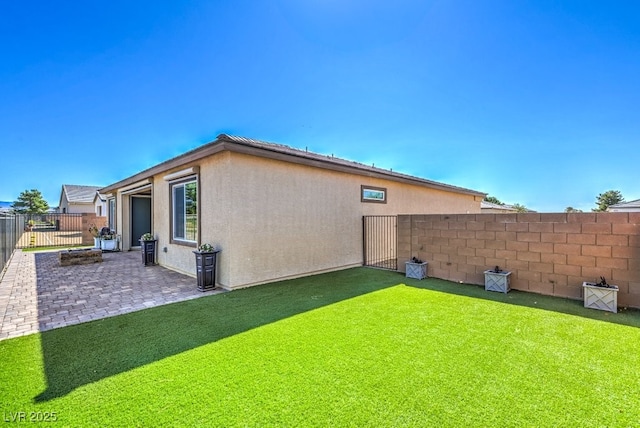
[602,298]
[96,242]
[416,270]
[497,281]
[108,244]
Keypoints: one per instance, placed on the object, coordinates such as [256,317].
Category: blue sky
[534,102]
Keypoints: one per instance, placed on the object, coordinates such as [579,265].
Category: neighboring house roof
[78,194]
[99,197]
[491,206]
[281,152]
[626,205]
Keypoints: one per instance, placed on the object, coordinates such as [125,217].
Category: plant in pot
[147,237]
[416,268]
[95,234]
[148,244]
[206,256]
[497,279]
[600,295]
[206,248]
[108,239]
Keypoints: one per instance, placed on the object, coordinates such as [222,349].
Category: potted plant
[147,237]
[148,244]
[95,234]
[600,295]
[206,266]
[497,279]
[416,268]
[108,239]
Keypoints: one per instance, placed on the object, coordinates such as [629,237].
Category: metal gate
[48,230]
[380,241]
[8,238]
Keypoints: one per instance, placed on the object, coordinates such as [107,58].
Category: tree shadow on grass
[84,353]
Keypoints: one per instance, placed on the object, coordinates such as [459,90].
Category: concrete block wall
[547,253]
[87,220]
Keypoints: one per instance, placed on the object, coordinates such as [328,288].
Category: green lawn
[361,347]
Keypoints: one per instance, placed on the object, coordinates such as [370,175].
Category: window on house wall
[184,205]
[112,214]
[373,194]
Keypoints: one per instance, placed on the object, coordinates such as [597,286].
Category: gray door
[140,218]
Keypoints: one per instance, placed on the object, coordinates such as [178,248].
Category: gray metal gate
[48,230]
[380,241]
[8,238]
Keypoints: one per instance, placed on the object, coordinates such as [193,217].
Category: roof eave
[225,143]
[201,152]
[356,168]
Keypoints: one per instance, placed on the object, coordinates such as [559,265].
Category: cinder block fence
[547,253]
[89,219]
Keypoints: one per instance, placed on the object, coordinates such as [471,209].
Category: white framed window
[184,211]
[111,215]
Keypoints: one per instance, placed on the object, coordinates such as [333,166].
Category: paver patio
[37,294]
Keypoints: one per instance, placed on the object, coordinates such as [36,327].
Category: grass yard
[361,347]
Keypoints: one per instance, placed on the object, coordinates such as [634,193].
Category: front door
[140,218]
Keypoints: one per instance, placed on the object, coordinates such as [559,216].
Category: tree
[608,198]
[493,200]
[520,208]
[572,210]
[30,202]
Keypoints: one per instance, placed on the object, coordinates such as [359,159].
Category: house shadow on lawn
[81,354]
[84,353]
[629,317]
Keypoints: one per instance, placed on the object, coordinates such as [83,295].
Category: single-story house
[275,212]
[625,207]
[77,199]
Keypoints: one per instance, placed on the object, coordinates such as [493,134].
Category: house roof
[630,204]
[286,153]
[99,197]
[79,194]
[506,207]
[490,205]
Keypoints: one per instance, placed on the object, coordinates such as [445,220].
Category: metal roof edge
[286,153]
[350,165]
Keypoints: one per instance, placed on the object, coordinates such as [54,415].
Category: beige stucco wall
[214,194]
[123,220]
[77,208]
[274,219]
[288,220]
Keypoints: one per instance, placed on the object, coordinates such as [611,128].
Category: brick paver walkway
[37,294]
